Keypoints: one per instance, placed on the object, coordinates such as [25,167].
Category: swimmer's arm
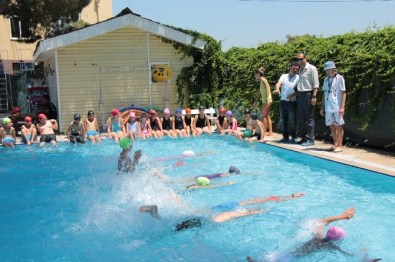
[194,186]
[347,214]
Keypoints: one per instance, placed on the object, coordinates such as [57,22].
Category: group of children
[151,125]
[46,128]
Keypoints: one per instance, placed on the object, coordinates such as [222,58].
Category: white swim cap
[188,153]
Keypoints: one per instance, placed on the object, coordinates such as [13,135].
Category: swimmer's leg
[226,216]
[152,209]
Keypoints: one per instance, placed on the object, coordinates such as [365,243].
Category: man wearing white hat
[334,101]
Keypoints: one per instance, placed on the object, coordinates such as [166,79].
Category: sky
[240,23]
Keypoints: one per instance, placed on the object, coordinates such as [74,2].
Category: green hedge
[366,60]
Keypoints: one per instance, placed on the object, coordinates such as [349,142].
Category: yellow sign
[161,73]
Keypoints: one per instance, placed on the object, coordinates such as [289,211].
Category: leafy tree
[44,17]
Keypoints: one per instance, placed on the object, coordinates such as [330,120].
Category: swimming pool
[67,203]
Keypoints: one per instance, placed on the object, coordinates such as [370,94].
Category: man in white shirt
[307,99]
[286,85]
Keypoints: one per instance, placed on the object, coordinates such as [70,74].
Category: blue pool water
[68,204]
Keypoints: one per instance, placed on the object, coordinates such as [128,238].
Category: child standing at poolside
[334,101]
[7,133]
[29,131]
[92,127]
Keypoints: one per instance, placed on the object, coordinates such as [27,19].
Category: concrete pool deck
[361,157]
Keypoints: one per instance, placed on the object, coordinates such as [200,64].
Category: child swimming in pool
[226,211]
[125,164]
[323,241]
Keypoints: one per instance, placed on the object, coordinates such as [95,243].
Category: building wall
[12,51]
[111,71]
[96,11]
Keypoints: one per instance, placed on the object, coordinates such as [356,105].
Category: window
[19,30]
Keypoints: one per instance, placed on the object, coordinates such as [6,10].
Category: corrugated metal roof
[46,47]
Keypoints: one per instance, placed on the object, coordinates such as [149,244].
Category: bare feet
[152,209]
[338,150]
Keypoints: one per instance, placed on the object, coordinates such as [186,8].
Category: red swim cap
[188,110]
[152,112]
[42,116]
[28,119]
[114,112]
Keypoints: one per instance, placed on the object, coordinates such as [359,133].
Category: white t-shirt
[287,86]
[333,88]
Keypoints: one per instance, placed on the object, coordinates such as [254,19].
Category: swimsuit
[47,138]
[92,133]
[116,127]
[133,127]
[8,139]
[188,121]
[221,120]
[217,175]
[178,123]
[28,137]
[166,124]
[154,124]
[201,122]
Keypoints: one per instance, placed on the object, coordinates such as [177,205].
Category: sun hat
[114,112]
[42,116]
[335,233]
[125,143]
[329,65]
[6,121]
[202,181]
[178,111]
[77,117]
[28,119]
[166,111]
[132,114]
[228,113]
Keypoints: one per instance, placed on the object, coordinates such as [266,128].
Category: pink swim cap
[335,233]
[166,111]
[131,114]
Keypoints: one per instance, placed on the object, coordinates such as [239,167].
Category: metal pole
[149,71]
